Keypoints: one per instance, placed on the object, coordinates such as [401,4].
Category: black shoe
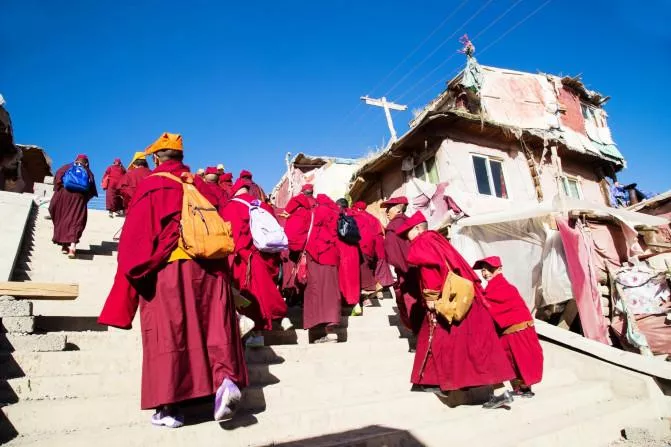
[499,401]
[524,393]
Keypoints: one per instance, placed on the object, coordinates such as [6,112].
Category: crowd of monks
[197,315]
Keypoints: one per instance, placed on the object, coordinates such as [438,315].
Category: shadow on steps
[373,435]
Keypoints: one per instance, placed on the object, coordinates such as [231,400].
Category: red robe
[129,183]
[113,200]
[68,210]
[322,302]
[254,272]
[190,335]
[507,307]
[213,193]
[374,267]
[407,290]
[462,355]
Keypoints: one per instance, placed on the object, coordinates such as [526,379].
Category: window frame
[427,172]
[565,184]
[490,177]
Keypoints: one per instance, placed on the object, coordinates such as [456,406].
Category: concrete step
[121,425]
[32,342]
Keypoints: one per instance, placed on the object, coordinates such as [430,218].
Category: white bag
[267,233]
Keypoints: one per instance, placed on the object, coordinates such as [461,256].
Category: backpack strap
[244,202]
[167,175]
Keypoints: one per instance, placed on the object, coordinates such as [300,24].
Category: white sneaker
[286,324]
[357,311]
[255,341]
[328,338]
[226,400]
[161,419]
[246,325]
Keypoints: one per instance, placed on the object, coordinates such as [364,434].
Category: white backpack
[267,233]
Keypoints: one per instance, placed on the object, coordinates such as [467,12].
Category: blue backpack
[76,179]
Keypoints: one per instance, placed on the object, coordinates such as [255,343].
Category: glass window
[489,176]
[427,171]
[481,175]
[572,188]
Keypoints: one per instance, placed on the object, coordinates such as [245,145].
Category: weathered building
[329,175]
[498,137]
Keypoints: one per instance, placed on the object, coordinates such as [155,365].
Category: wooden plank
[647,365]
[39,290]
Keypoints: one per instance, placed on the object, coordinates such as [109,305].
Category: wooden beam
[39,290]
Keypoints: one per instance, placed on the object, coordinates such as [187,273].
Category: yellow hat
[138,156]
[166,141]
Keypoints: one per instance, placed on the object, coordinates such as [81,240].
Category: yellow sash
[178,254]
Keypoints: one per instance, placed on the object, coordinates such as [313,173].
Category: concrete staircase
[351,393]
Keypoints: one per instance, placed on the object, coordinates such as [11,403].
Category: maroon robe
[349,272]
[113,199]
[322,302]
[68,210]
[190,335]
[214,194]
[407,289]
[254,272]
[507,307]
[463,355]
[374,266]
[129,183]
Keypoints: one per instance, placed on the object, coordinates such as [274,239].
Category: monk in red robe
[212,192]
[375,270]
[515,324]
[191,343]
[297,217]
[255,273]
[254,189]
[458,355]
[314,232]
[226,183]
[137,171]
[111,179]
[349,268]
[69,210]
[406,288]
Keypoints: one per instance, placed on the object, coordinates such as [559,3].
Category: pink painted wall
[589,182]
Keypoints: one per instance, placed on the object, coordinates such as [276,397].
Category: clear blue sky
[245,82]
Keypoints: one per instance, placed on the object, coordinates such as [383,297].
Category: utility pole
[387,106]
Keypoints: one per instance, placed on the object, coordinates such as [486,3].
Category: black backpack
[348,231]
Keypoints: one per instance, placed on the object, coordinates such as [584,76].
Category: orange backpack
[203,233]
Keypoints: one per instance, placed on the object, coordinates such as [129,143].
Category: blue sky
[246,82]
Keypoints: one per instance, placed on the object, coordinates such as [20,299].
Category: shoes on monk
[164,418]
[111,215]
[255,341]
[246,325]
[65,249]
[525,393]
[72,253]
[119,214]
[357,311]
[328,338]
[499,401]
[286,324]
[226,401]
[367,303]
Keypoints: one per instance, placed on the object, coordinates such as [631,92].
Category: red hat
[307,187]
[82,157]
[412,221]
[245,173]
[227,177]
[401,200]
[492,261]
[239,184]
[117,160]
[211,170]
[359,205]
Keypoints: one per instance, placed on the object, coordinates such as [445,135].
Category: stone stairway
[352,393]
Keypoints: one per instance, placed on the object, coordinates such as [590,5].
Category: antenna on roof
[387,106]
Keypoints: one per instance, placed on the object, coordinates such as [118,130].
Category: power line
[421,44]
[511,29]
[442,44]
[498,19]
